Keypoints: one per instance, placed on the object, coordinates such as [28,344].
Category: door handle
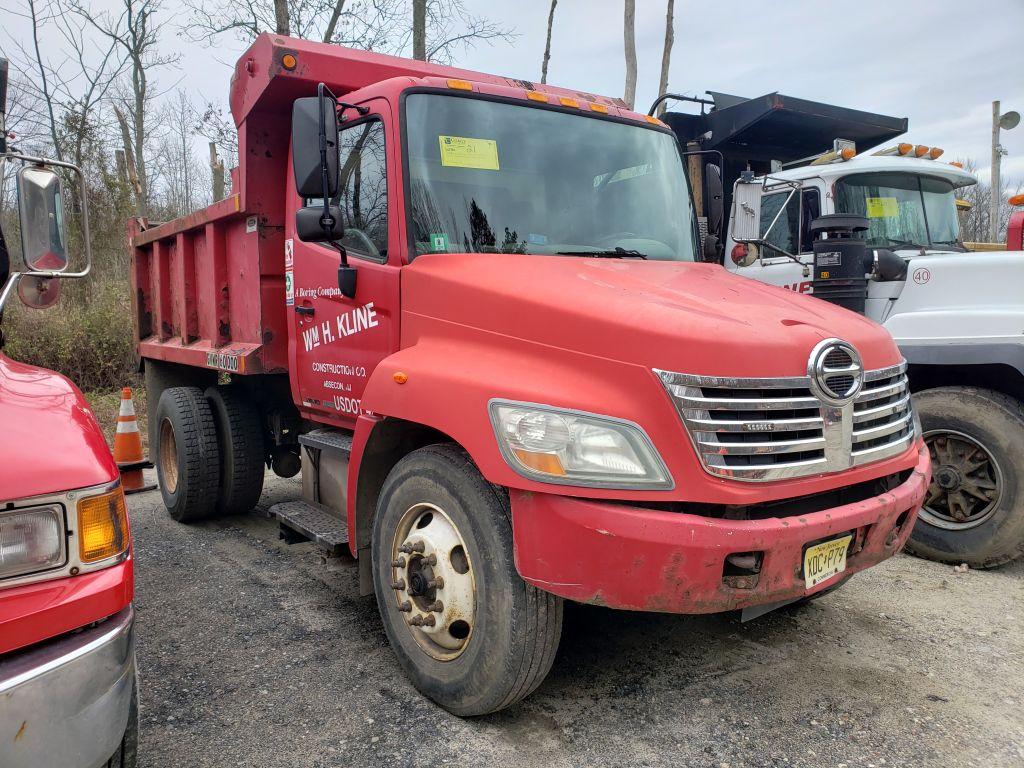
[304,310]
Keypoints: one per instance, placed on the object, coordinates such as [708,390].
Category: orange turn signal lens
[289,62]
[921,150]
[462,85]
[565,101]
[935,153]
[547,463]
[599,108]
[400,377]
[102,526]
[956,164]
[1016,200]
[905,149]
[847,153]
[536,96]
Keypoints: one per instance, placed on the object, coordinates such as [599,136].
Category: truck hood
[49,440]
[684,317]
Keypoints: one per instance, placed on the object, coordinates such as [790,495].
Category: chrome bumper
[65,703]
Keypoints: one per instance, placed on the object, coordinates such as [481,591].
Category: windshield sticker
[460,152]
[534,239]
[438,242]
[882,207]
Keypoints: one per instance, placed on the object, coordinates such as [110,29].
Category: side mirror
[41,210]
[714,198]
[746,200]
[38,292]
[309,227]
[313,117]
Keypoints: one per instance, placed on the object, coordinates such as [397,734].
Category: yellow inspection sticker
[883,207]
[460,152]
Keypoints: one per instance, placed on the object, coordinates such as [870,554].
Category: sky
[939,63]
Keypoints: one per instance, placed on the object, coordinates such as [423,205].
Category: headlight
[102,526]
[31,540]
[569,447]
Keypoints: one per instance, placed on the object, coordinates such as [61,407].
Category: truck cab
[955,313]
[468,310]
[67,650]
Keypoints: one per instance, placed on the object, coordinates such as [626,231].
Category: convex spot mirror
[306,158]
[38,292]
[41,210]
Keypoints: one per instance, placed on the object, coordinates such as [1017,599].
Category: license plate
[825,560]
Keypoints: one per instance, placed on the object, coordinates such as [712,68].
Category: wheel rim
[967,481]
[168,457]
[432,578]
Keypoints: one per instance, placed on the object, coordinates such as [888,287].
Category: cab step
[327,439]
[300,520]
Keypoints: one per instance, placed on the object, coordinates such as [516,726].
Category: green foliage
[87,335]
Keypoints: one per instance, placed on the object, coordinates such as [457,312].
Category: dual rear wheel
[209,452]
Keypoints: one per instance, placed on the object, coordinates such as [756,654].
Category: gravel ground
[256,653]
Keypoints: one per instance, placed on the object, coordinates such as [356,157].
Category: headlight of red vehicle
[31,540]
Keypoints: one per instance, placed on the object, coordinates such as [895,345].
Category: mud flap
[755,611]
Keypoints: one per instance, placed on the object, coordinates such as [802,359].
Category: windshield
[903,209]
[491,177]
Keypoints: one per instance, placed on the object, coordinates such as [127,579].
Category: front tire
[187,456]
[442,553]
[974,510]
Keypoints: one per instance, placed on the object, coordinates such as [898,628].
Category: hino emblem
[836,372]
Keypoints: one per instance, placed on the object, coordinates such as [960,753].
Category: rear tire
[240,442]
[974,509]
[187,456]
[499,641]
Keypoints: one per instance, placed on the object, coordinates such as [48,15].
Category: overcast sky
[938,62]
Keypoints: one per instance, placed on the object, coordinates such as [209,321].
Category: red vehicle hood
[49,440]
[685,317]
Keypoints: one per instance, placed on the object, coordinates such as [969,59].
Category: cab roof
[869,163]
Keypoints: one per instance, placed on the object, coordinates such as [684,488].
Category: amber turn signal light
[289,62]
[102,526]
[1016,200]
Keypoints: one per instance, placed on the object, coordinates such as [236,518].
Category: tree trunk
[419,29]
[216,173]
[547,45]
[129,162]
[281,17]
[628,27]
[666,54]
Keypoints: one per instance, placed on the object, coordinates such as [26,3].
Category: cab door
[336,342]
[791,232]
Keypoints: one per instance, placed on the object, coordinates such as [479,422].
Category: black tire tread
[199,474]
[240,442]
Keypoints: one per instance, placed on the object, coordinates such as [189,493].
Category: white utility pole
[1006,121]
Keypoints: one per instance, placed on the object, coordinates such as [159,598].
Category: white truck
[957,315]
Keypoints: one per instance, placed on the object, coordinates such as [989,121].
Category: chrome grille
[769,429]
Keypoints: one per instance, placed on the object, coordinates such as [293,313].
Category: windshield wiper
[616,253]
[904,244]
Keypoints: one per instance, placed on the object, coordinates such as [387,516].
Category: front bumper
[627,557]
[66,703]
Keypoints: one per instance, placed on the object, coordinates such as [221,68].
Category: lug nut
[400,584]
[430,559]
[405,606]
[416,546]
[399,563]
[437,606]
[436,583]
[423,621]
[429,620]
[416,621]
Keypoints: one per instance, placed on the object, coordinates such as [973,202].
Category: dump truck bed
[209,290]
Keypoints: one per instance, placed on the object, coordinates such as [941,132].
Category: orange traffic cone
[128,447]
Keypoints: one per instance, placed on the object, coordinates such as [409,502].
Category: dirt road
[255,653]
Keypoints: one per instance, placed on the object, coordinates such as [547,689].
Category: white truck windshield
[493,177]
[903,209]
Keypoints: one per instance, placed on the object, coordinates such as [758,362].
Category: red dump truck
[469,310]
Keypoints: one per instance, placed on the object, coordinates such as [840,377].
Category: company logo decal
[347,324]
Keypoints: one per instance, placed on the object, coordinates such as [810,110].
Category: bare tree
[666,53]
[137,34]
[282,26]
[975,222]
[38,16]
[547,44]
[629,33]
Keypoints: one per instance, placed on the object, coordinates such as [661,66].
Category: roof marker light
[289,62]
[599,108]
[536,96]
[565,101]
[956,164]
[935,153]
[462,85]
[1016,200]
[921,150]
[847,153]
[900,149]
[653,120]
